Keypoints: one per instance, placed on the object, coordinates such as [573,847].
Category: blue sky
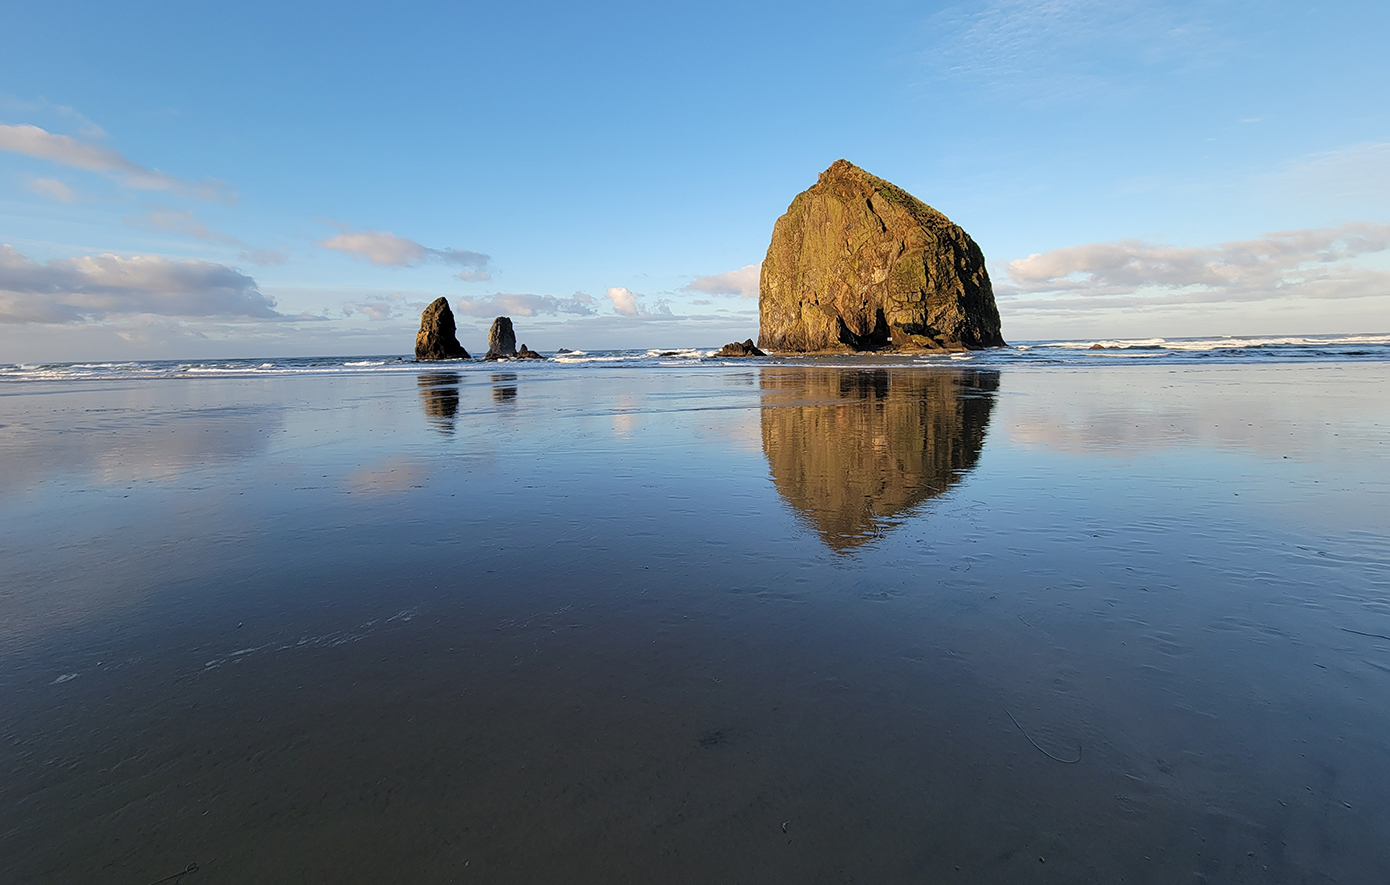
[279,179]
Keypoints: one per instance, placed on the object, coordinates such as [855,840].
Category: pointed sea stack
[437,338]
[501,340]
[857,264]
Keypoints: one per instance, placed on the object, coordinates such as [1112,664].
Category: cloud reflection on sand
[109,447]
[1274,412]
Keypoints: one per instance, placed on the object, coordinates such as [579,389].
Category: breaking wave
[1275,349]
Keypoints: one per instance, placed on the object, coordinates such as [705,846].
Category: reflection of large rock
[857,263]
[437,338]
[851,449]
[439,397]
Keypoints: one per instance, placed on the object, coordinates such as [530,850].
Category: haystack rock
[438,338]
[857,263]
[746,348]
[501,340]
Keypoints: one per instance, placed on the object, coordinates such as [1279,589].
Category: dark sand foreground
[698,625]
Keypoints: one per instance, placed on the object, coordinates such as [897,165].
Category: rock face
[501,339]
[437,338]
[857,263]
[747,348]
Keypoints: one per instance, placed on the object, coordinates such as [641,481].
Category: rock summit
[857,263]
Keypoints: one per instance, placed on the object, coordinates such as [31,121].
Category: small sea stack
[438,337]
[501,340]
[745,348]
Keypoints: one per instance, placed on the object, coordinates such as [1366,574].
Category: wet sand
[698,625]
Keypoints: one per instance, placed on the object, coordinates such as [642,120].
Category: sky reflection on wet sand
[626,624]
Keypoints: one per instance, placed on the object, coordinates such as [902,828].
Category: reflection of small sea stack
[503,388]
[439,396]
[437,338]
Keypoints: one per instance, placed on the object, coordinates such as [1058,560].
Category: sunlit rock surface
[857,263]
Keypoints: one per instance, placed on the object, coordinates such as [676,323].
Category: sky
[287,179]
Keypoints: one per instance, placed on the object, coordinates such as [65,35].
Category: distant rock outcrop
[747,348]
[524,354]
[501,340]
[857,263]
[438,338]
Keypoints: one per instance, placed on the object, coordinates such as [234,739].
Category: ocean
[1171,351]
[1088,611]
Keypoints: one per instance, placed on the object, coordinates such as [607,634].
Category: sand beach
[698,622]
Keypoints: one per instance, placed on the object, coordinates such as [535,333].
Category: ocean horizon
[1205,349]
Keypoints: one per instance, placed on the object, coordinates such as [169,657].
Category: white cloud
[387,249]
[523,305]
[1316,263]
[624,301]
[43,106]
[97,286]
[742,282]
[52,187]
[65,150]
[629,304]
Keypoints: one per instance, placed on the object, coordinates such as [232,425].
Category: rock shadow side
[857,263]
[501,340]
[438,337]
[853,451]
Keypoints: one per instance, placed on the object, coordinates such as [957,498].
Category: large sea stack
[437,338]
[857,263]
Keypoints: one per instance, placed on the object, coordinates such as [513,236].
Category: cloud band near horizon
[1313,263]
[89,287]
